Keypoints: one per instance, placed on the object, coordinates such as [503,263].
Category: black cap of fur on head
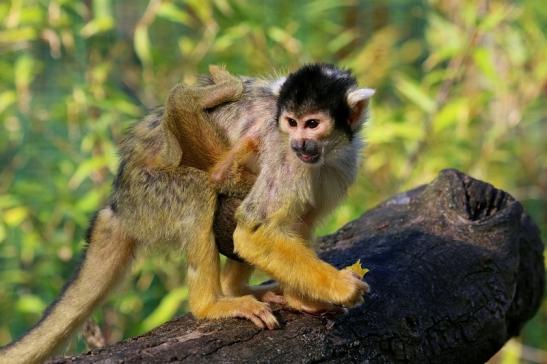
[318,87]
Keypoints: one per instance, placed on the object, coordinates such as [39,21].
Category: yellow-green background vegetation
[460,84]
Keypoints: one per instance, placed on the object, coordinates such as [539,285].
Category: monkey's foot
[247,307]
[219,74]
[272,297]
[270,293]
[258,312]
[348,289]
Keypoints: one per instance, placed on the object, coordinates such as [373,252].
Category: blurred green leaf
[9,36]
[14,216]
[171,12]
[166,309]
[415,93]
[142,44]
[24,71]
[97,26]
[30,304]
[7,98]
[459,84]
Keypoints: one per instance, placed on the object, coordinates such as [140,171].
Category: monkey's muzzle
[307,150]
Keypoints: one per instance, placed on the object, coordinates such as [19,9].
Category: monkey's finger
[366,287]
[357,302]
[363,286]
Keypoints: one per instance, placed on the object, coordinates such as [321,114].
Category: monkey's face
[307,134]
[320,108]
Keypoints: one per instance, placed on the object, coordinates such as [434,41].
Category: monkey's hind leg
[206,299]
[107,257]
[235,278]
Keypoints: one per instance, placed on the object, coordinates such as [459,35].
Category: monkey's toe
[220,74]
[272,297]
[258,312]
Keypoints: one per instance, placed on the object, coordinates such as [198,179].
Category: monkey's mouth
[309,158]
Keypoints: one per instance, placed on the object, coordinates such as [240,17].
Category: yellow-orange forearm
[288,259]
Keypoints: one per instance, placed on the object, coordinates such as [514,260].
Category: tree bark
[456,269]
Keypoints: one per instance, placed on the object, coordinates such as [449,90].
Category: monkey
[165,191]
[162,194]
[308,159]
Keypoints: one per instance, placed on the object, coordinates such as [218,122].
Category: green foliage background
[460,84]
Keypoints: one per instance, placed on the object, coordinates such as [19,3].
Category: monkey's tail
[107,258]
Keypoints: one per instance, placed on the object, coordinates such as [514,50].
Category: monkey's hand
[348,289]
[347,292]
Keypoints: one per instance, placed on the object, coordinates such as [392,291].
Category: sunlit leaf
[484,60]
[358,269]
[203,9]
[61,120]
[171,12]
[142,44]
[342,40]
[450,115]
[2,232]
[85,169]
[15,215]
[224,6]
[17,35]
[24,71]
[165,310]
[283,37]
[28,303]
[97,26]
[415,93]
[7,98]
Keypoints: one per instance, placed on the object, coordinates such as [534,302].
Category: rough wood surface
[456,269]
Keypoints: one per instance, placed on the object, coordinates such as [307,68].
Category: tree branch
[456,268]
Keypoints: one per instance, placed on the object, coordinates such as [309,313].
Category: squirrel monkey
[177,165]
[162,194]
[308,157]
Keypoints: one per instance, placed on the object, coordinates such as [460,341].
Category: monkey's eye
[292,122]
[312,123]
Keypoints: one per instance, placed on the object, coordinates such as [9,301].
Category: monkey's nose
[306,146]
[297,145]
[306,149]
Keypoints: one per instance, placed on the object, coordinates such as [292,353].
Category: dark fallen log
[456,269]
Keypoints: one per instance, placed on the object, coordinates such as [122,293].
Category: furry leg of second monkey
[235,277]
[206,299]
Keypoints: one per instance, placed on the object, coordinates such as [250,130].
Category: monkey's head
[320,109]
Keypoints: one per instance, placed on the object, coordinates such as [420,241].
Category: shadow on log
[456,269]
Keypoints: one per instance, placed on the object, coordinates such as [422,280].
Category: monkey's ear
[277,84]
[358,102]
